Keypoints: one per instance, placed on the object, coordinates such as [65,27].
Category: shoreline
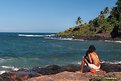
[91,37]
[5,69]
[50,70]
[118,40]
[96,38]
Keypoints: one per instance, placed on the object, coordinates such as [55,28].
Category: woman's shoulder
[93,53]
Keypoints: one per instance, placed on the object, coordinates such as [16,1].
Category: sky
[47,15]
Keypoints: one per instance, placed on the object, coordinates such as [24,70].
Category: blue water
[26,50]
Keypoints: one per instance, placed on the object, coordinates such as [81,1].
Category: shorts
[92,66]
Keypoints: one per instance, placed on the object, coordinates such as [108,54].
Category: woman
[91,59]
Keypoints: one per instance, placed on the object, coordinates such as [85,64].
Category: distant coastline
[92,37]
[96,38]
[106,26]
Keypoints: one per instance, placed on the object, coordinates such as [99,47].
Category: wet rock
[111,67]
[64,73]
[70,68]
[8,76]
[52,69]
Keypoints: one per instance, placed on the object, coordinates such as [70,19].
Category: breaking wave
[49,36]
[4,69]
[114,62]
[30,35]
[112,41]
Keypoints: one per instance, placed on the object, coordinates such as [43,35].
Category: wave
[118,41]
[30,35]
[50,36]
[1,72]
[58,38]
[112,41]
[62,38]
[4,69]
[2,60]
[114,62]
[8,67]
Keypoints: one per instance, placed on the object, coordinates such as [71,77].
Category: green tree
[119,12]
[101,16]
[119,4]
[115,19]
[108,21]
[79,21]
[107,11]
[94,24]
[103,21]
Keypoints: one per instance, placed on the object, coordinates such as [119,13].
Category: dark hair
[91,49]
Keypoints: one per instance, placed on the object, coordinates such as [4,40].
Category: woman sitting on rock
[91,59]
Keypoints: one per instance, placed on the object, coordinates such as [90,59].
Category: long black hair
[91,49]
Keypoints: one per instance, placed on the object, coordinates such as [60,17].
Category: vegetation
[79,21]
[108,21]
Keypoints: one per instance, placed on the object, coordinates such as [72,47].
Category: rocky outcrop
[77,76]
[61,73]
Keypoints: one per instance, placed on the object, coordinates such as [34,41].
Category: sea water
[27,50]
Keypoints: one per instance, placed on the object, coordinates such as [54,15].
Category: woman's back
[95,58]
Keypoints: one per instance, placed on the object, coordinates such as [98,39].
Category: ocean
[27,50]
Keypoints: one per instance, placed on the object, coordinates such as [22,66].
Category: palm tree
[101,16]
[79,21]
[107,11]
[118,4]
[119,12]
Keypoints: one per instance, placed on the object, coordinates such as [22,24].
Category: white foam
[115,62]
[7,68]
[50,36]
[79,63]
[79,39]
[1,72]
[118,41]
[108,41]
[66,39]
[112,41]
[10,67]
[61,38]
[58,38]
[30,35]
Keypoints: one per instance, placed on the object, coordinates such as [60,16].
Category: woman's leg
[84,60]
